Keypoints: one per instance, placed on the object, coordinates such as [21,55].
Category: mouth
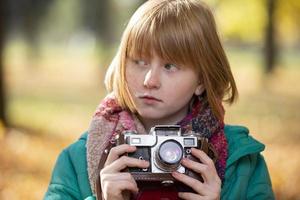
[148,97]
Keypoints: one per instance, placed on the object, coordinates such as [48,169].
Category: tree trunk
[270,46]
[97,15]
[3,18]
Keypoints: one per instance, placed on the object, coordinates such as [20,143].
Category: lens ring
[170,152]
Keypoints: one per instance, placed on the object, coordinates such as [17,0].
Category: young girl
[170,69]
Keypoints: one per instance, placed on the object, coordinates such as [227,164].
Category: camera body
[164,147]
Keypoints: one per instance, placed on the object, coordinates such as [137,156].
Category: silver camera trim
[153,141]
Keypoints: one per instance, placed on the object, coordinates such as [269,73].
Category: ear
[199,89]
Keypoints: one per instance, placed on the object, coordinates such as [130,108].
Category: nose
[152,79]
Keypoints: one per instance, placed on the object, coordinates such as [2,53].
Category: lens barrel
[169,155]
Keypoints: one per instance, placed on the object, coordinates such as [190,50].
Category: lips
[149,97]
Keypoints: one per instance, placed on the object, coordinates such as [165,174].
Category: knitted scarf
[110,119]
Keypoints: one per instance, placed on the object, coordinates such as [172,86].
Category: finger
[124,162]
[118,151]
[195,184]
[116,187]
[208,174]
[210,195]
[117,177]
[202,156]
[188,196]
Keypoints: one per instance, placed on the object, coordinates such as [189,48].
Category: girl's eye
[170,67]
[140,62]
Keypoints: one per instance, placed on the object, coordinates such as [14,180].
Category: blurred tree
[102,18]
[26,16]
[270,46]
[3,19]
[97,16]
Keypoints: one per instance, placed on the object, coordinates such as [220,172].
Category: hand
[210,189]
[117,185]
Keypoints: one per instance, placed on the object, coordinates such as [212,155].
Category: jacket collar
[240,143]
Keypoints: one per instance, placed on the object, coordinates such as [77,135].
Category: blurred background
[54,53]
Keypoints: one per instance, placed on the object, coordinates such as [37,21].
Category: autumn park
[53,58]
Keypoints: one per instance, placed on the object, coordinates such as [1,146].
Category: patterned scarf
[110,119]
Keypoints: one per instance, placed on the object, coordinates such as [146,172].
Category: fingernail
[145,161]
[184,160]
[175,173]
[194,149]
[179,194]
[132,148]
[135,193]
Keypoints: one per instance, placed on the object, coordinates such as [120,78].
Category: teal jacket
[246,175]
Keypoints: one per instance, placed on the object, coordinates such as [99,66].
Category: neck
[169,120]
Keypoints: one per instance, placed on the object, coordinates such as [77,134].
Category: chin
[152,116]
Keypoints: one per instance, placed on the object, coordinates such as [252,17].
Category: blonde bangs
[161,32]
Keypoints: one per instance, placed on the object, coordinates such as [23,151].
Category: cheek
[185,87]
[129,74]
[132,78]
[182,95]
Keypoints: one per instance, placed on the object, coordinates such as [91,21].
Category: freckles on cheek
[171,92]
[131,82]
[129,74]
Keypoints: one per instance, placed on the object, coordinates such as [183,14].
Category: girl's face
[161,90]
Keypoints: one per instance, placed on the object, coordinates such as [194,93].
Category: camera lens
[170,152]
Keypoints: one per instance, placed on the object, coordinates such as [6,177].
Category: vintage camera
[164,147]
